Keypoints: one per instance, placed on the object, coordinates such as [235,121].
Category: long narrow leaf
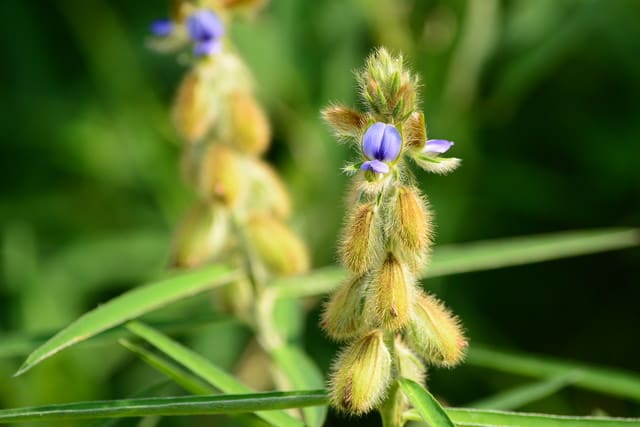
[429,409]
[304,375]
[129,305]
[605,380]
[205,370]
[464,417]
[167,406]
[478,256]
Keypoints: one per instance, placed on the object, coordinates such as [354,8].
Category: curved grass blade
[523,395]
[466,417]
[478,256]
[303,374]
[129,305]
[206,370]
[167,406]
[429,409]
[614,382]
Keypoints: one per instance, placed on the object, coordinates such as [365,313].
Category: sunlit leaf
[429,409]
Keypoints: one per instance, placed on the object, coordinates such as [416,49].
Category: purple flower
[381,143]
[162,27]
[433,147]
[205,29]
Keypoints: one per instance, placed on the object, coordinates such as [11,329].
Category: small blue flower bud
[161,27]
[437,146]
[381,143]
[205,29]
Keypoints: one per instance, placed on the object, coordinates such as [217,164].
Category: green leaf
[615,382]
[129,305]
[205,370]
[486,418]
[303,374]
[478,256]
[523,395]
[167,406]
[429,409]
[171,370]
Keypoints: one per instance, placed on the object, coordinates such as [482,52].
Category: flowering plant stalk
[392,328]
[242,208]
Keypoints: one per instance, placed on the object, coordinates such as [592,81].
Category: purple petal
[382,142]
[204,25]
[208,47]
[161,27]
[375,166]
[438,146]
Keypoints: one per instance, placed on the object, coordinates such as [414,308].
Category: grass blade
[167,406]
[205,370]
[604,380]
[303,374]
[463,417]
[429,409]
[478,256]
[523,395]
[129,305]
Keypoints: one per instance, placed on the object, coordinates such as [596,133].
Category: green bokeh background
[541,97]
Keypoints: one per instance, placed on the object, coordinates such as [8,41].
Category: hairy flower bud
[415,131]
[409,365]
[361,375]
[194,110]
[268,192]
[360,248]
[342,316]
[346,122]
[221,175]
[388,296]
[434,333]
[279,248]
[249,127]
[200,236]
[410,222]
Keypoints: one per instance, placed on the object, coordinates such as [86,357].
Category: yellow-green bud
[414,131]
[268,192]
[342,316]
[200,236]
[222,176]
[409,365]
[279,248]
[361,375]
[410,226]
[387,300]
[346,122]
[235,298]
[360,248]
[434,332]
[249,128]
[194,110]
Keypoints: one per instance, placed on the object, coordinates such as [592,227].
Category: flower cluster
[393,328]
[242,208]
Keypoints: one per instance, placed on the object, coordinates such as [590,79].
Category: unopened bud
[410,227]
[414,131]
[235,298]
[346,122]
[342,316]
[249,128]
[200,237]
[281,250]
[268,192]
[388,296]
[361,375]
[195,108]
[434,332]
[361,246]
[222,175]
[409,365]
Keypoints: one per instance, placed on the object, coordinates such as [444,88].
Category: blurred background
[540,96]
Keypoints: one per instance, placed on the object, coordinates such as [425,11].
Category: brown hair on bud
[342,316]
[414,131]
[361,375]
[221,175]
[346,122]
[435,333]
[360,247]
[388,296]
[249,127]
[194,110]
[410,224]
[279,248]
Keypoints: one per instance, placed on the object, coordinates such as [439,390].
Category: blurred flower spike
[162,27]
[381,144]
